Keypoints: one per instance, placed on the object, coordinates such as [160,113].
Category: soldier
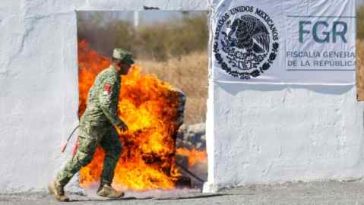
[97,128]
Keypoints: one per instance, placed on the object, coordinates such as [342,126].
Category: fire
[194,156]
[149,108]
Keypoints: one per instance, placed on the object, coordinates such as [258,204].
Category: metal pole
[189,172]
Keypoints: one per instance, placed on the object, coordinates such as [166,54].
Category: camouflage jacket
[102,101]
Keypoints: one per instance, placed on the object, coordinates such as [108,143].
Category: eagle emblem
[248,33]
[246,42]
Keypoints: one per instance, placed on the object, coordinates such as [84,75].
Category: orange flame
[194,156]
[149,108]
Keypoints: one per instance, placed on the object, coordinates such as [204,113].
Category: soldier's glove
[123,127]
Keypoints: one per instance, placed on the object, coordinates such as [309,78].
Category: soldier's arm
[108,103]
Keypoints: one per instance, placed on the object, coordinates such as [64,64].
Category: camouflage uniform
[97,128]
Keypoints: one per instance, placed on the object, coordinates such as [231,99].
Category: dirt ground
[328,193]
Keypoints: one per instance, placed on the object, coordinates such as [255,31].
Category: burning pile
[151,109]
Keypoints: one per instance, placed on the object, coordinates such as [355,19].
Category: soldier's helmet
[123,55]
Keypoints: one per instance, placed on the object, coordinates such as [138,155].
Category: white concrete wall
[38,95]
[256,133]
[279,133]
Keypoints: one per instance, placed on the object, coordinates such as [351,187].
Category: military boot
[109,192]
[57,191]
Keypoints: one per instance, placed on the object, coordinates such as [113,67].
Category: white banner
[285,41]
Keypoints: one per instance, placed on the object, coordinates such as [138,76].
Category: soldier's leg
[83,157]
[112,147]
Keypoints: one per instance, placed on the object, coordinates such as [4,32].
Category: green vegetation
[173,40]
[159,41]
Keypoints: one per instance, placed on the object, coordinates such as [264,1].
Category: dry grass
[360,69]
[188,73]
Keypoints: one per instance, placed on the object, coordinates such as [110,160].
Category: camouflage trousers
[90,136]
